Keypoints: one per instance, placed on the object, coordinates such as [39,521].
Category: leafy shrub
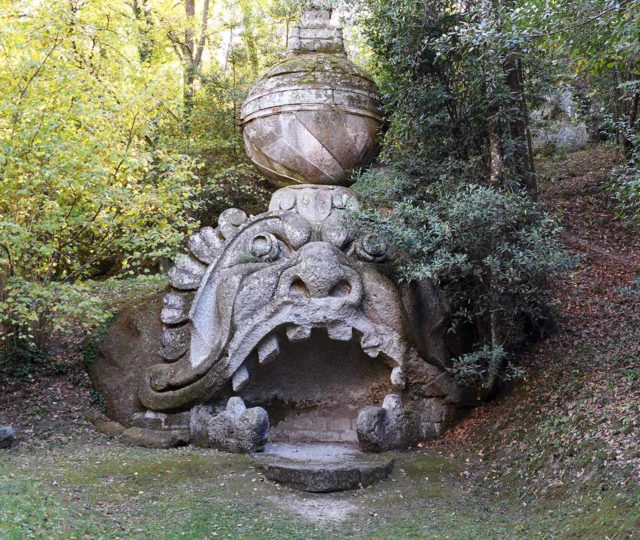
[457,83]
[31,312]
[84,192]
[494,253]
[625,189]
[238,186]
[625,186]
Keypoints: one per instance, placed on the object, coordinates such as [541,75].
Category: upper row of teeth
[269,349]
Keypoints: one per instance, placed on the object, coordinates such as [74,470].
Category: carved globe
[314,116]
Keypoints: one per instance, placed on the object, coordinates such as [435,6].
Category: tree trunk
[522,155]
[142,14]
[496,174]
[521,162]
[189,72]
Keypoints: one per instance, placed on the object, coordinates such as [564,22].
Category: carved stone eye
[265,247]
[372,248]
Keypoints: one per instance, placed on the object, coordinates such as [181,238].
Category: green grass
[119,492]
[29,510]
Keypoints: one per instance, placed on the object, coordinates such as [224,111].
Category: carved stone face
[295,270]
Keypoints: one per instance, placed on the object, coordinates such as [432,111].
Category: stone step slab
[322,468]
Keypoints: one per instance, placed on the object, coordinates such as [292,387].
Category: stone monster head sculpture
[295,268]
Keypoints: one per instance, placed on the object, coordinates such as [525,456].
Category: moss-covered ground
[112,491]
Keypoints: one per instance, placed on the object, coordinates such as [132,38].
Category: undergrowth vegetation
[457,191]
[495,254]
[118,137]
[625,187]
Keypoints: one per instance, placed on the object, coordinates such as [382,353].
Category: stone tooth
[298,333]
[268,349]
[236,406]
[370,344]
[175,308]
[393,403]
[240,379]
[340,332]
[373,353]
[187,273]
[398,378]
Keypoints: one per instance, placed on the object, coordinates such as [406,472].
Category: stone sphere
[310,119]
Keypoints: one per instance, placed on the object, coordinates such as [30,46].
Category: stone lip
[151,438]
[322,468]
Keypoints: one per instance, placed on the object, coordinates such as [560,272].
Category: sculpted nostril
[299,288]
[343,288]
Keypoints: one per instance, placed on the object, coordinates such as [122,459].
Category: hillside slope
[570,433]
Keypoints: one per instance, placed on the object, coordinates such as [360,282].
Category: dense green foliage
[114,144]
[459,179]
[493,252]
[459,80]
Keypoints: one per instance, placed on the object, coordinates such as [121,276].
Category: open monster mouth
[313,364]
[313,380]
[295,323]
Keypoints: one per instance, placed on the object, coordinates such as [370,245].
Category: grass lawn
[113,491]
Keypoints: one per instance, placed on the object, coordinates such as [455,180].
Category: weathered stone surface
[175,341]
[175,308]
[131,346]
[398,378]
[557,125]
[150,438]
[283,276]
[387,427]
[105,425]
[230,222]
[161,421]
[334,424]
[186,273]
[7,436]
[296,316]
[316,34]
[201,415]
[206,245]
[315,115]
[322,468]
[238,429]
[435,415]
[294,313]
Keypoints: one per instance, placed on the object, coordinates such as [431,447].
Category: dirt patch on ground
[49,409]
[317,509]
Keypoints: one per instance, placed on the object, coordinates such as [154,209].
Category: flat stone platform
[322,468]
